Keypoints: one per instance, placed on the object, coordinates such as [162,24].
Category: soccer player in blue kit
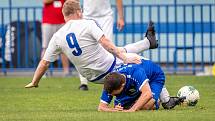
[136,87]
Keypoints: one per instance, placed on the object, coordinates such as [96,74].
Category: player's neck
[72,18]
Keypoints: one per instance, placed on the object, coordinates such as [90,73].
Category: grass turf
[59,99]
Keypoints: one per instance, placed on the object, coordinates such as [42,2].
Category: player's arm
[144,98]
[105,101]
[120,22]
[118,52]
[50,55]
[41,69]
[110,47]
[106,108]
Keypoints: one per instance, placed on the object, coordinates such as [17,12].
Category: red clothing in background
[52,12]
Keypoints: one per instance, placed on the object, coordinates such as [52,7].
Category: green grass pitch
[58,99]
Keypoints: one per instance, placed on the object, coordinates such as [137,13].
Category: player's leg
[138,47]
[149,42]
[156,87]
[47,33]
[107,26]
[160,91]
[166,100]
[84,83]
[169,102]
[65,63]
[164,96]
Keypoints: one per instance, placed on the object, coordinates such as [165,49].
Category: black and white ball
[191,94]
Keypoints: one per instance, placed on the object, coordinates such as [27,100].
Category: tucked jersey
[97,8]
[136,76]
[78,40]
[52,12]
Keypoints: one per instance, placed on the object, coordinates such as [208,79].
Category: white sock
[82,79]
[138,47]
[164,96]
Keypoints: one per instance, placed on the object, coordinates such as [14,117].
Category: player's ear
[123,78]
[79,13]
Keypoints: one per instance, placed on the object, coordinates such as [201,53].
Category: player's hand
[132,58]
[129,110]
[120,24]
[31,85]
[118,108]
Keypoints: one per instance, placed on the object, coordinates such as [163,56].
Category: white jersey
[97,8]
[78,40]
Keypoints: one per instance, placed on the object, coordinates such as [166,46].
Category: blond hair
[70,7]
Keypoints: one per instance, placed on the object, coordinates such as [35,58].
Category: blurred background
[185,30]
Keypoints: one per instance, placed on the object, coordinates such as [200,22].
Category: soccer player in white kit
[100,10]
[86,46]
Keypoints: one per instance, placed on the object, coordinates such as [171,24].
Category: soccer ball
[191,94]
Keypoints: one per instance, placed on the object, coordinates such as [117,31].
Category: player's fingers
[134,60]
[137,60]
[120,25]
[119,105]
[119,108]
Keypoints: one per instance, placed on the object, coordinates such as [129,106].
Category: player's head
[114,83]
[71,10]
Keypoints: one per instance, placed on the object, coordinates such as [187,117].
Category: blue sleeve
[106,98]
[139,77]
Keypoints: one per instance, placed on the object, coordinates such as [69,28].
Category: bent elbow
[100,108]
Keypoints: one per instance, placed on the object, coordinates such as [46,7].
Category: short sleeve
[139,77]
[96,30]
[52,51]
[106,98]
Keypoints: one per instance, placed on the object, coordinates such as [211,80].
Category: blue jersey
[136,76]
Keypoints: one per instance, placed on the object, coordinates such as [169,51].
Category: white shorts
[47,32]
[106,24]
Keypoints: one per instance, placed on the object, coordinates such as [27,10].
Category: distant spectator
[52,21]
